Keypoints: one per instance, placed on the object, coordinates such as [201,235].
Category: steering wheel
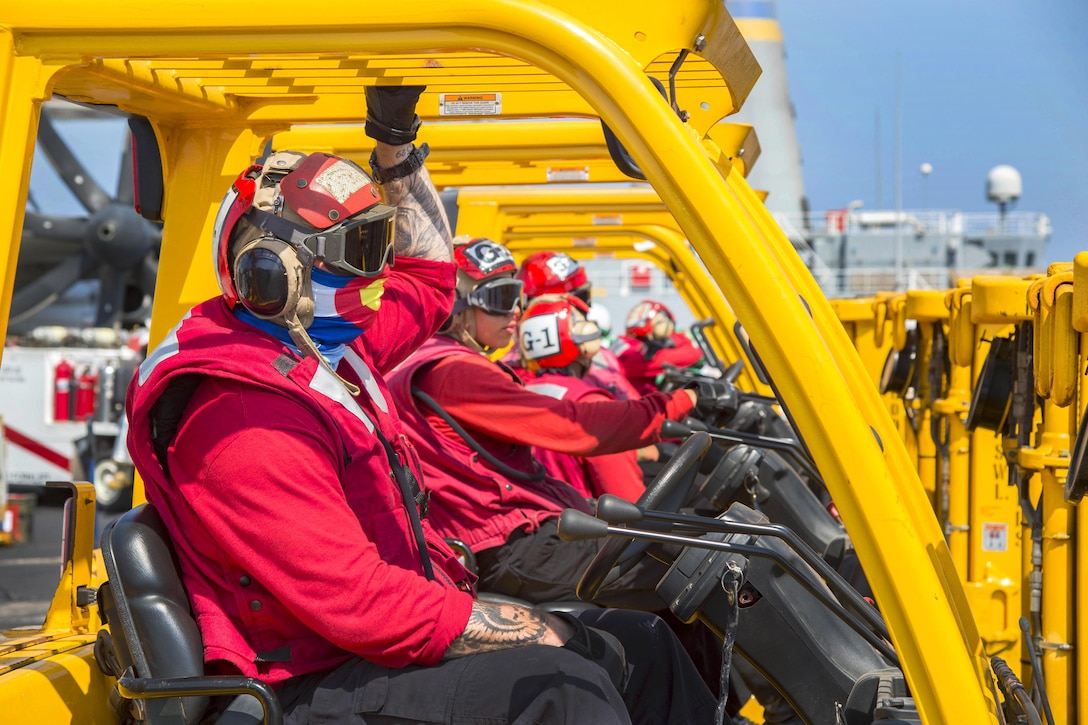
[668,491]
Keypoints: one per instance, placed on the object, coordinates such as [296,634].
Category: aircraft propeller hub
[118,236]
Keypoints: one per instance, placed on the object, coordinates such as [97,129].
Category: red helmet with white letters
[485,277]
[553,273]
[553,332]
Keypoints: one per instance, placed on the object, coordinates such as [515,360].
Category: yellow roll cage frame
[216,83]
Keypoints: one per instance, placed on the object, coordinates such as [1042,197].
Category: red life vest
[470,500]
[211,341]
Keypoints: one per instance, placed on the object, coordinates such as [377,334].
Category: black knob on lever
[616,510]
[733,371]
[675,429]
[575,525]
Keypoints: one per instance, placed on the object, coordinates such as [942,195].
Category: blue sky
[984,82]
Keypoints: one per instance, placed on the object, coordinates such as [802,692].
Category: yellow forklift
[205,91]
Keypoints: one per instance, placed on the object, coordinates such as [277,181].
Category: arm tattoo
[493,626]
[422,228]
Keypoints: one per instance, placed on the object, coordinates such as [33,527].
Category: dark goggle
[500,297]
[362,245]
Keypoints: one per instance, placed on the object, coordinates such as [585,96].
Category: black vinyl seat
[153,646]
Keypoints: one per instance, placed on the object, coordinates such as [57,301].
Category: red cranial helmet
[552,273]
[553,332]
[319,205]
[485,277]
[650,320]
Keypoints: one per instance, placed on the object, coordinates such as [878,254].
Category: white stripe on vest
[328,385]
[367,377]
[550,389]
[165,350]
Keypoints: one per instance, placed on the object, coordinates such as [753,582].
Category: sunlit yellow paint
[209,131]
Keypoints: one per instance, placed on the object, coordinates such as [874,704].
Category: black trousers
[541,567]
[534,685]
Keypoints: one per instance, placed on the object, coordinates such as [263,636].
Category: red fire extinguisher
[62,390]
[85,393]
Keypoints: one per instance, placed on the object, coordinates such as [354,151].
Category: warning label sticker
[608,219]
[469,104]
[568,173]
[995,537]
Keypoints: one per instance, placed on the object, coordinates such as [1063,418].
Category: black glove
[598,646]
[649,348]
[391,113]
[715,399]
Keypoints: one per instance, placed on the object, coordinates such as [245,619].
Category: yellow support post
[998,560]
[928,462]
[1050,458]
[929,310]
[1054,627]
[954,406]
[856,316]
[1079,324]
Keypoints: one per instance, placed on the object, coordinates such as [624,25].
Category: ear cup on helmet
[590,332]
[271,281]
[663,327]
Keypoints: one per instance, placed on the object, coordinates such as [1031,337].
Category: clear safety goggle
[498,297]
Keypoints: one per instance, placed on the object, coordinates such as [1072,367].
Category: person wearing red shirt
[558,344]
[650,343]
[554,273]
[269,444]
[475,425]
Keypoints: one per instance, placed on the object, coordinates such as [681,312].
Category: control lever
[676,429]
[733,371]
[698,332]
[615,510]
[576,525]
[787,446]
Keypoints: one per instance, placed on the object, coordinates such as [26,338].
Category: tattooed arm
[423,230]
[493,626]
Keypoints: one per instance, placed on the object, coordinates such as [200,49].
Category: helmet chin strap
[305,343]
[458,329]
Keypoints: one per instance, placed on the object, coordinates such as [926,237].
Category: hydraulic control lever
[698,333]
[575,525]
[621,512]
[789,447]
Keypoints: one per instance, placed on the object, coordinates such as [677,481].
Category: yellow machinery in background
[213,88]
[999,375]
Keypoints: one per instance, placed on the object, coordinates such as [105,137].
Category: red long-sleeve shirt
[471,499]
[615,473]
[485,400]
[643,361]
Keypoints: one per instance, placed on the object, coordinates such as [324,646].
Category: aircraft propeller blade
[111,295]
[111,244]
[59,228]
[48,288]
[68,167]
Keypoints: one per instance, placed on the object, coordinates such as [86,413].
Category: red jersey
[643,361]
